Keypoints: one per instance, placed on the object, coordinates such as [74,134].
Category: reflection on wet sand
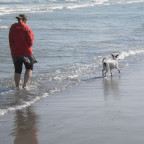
[25,127]
[111,88]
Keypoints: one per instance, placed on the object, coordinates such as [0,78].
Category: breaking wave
[37,6]
[4,27]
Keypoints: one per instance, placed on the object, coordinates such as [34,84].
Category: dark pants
[19,64]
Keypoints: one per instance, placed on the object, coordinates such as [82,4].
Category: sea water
[71,38]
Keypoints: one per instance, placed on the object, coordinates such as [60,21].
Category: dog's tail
[104,59]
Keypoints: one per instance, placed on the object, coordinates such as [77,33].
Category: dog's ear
[112,55]
[117,55]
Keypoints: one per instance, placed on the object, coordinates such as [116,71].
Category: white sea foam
[129,1]
[3,112]
[18,107]
[26,104]
[128,53]
[4,27]
[31,6]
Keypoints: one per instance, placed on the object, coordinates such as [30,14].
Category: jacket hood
[18,26]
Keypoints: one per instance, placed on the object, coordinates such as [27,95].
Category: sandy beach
[102,111]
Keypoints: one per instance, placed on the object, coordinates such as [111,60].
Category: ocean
[71,38]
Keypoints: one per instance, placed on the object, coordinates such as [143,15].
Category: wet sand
[98,111]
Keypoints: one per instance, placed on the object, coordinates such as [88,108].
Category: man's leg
[27,76]
[18,69]
[17,78]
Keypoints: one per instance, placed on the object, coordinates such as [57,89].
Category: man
[21,41]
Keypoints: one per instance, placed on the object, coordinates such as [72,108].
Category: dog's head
[115,56]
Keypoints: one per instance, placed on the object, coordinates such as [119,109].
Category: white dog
[110,64]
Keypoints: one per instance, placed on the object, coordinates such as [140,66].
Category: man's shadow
[25,127]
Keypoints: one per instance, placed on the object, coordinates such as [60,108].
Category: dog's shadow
[111,88]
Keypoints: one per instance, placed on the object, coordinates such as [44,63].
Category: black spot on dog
[104,64]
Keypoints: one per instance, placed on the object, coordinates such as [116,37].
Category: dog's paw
[105,77]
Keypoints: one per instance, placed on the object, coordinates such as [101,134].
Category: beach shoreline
[97,111]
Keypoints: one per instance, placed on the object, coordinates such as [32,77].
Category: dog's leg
[104,69]
[118,70]
[110,72]
[102,72]
[105,72]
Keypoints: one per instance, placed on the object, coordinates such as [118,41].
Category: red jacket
[20,40]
